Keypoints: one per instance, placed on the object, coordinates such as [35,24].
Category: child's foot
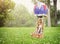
[40,36]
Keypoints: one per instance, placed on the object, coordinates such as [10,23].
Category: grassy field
[22,35]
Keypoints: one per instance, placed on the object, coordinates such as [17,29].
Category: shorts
[39,16]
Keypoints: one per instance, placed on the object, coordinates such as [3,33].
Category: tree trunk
[49,18]
[55,12]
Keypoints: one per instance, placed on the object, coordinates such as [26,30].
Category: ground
[22,35]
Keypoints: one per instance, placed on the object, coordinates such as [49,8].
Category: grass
[21,35]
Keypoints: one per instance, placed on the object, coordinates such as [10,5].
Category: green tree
[5,7]
[21,17]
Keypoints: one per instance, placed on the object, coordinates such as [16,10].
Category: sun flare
[27,3]
[17,1]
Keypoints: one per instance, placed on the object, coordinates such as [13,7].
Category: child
[39,31]
[40,27]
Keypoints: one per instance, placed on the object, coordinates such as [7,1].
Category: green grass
[22,35]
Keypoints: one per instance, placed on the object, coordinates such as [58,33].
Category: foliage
[53,16]
[5,8]
[21,17]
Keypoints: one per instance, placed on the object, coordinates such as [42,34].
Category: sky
[29,4]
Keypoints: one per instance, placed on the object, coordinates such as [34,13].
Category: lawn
[22,35]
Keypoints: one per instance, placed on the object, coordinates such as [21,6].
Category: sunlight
[27,3]
[17,1]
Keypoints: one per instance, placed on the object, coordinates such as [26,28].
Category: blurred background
[18,21]
[19,13]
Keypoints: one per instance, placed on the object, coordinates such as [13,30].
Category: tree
[55,12]
[21,17]
[52,14]
[49,18]
[5,7]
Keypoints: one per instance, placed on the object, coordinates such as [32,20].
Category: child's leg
[40,33]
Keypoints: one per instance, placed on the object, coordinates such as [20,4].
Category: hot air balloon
[40,9]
